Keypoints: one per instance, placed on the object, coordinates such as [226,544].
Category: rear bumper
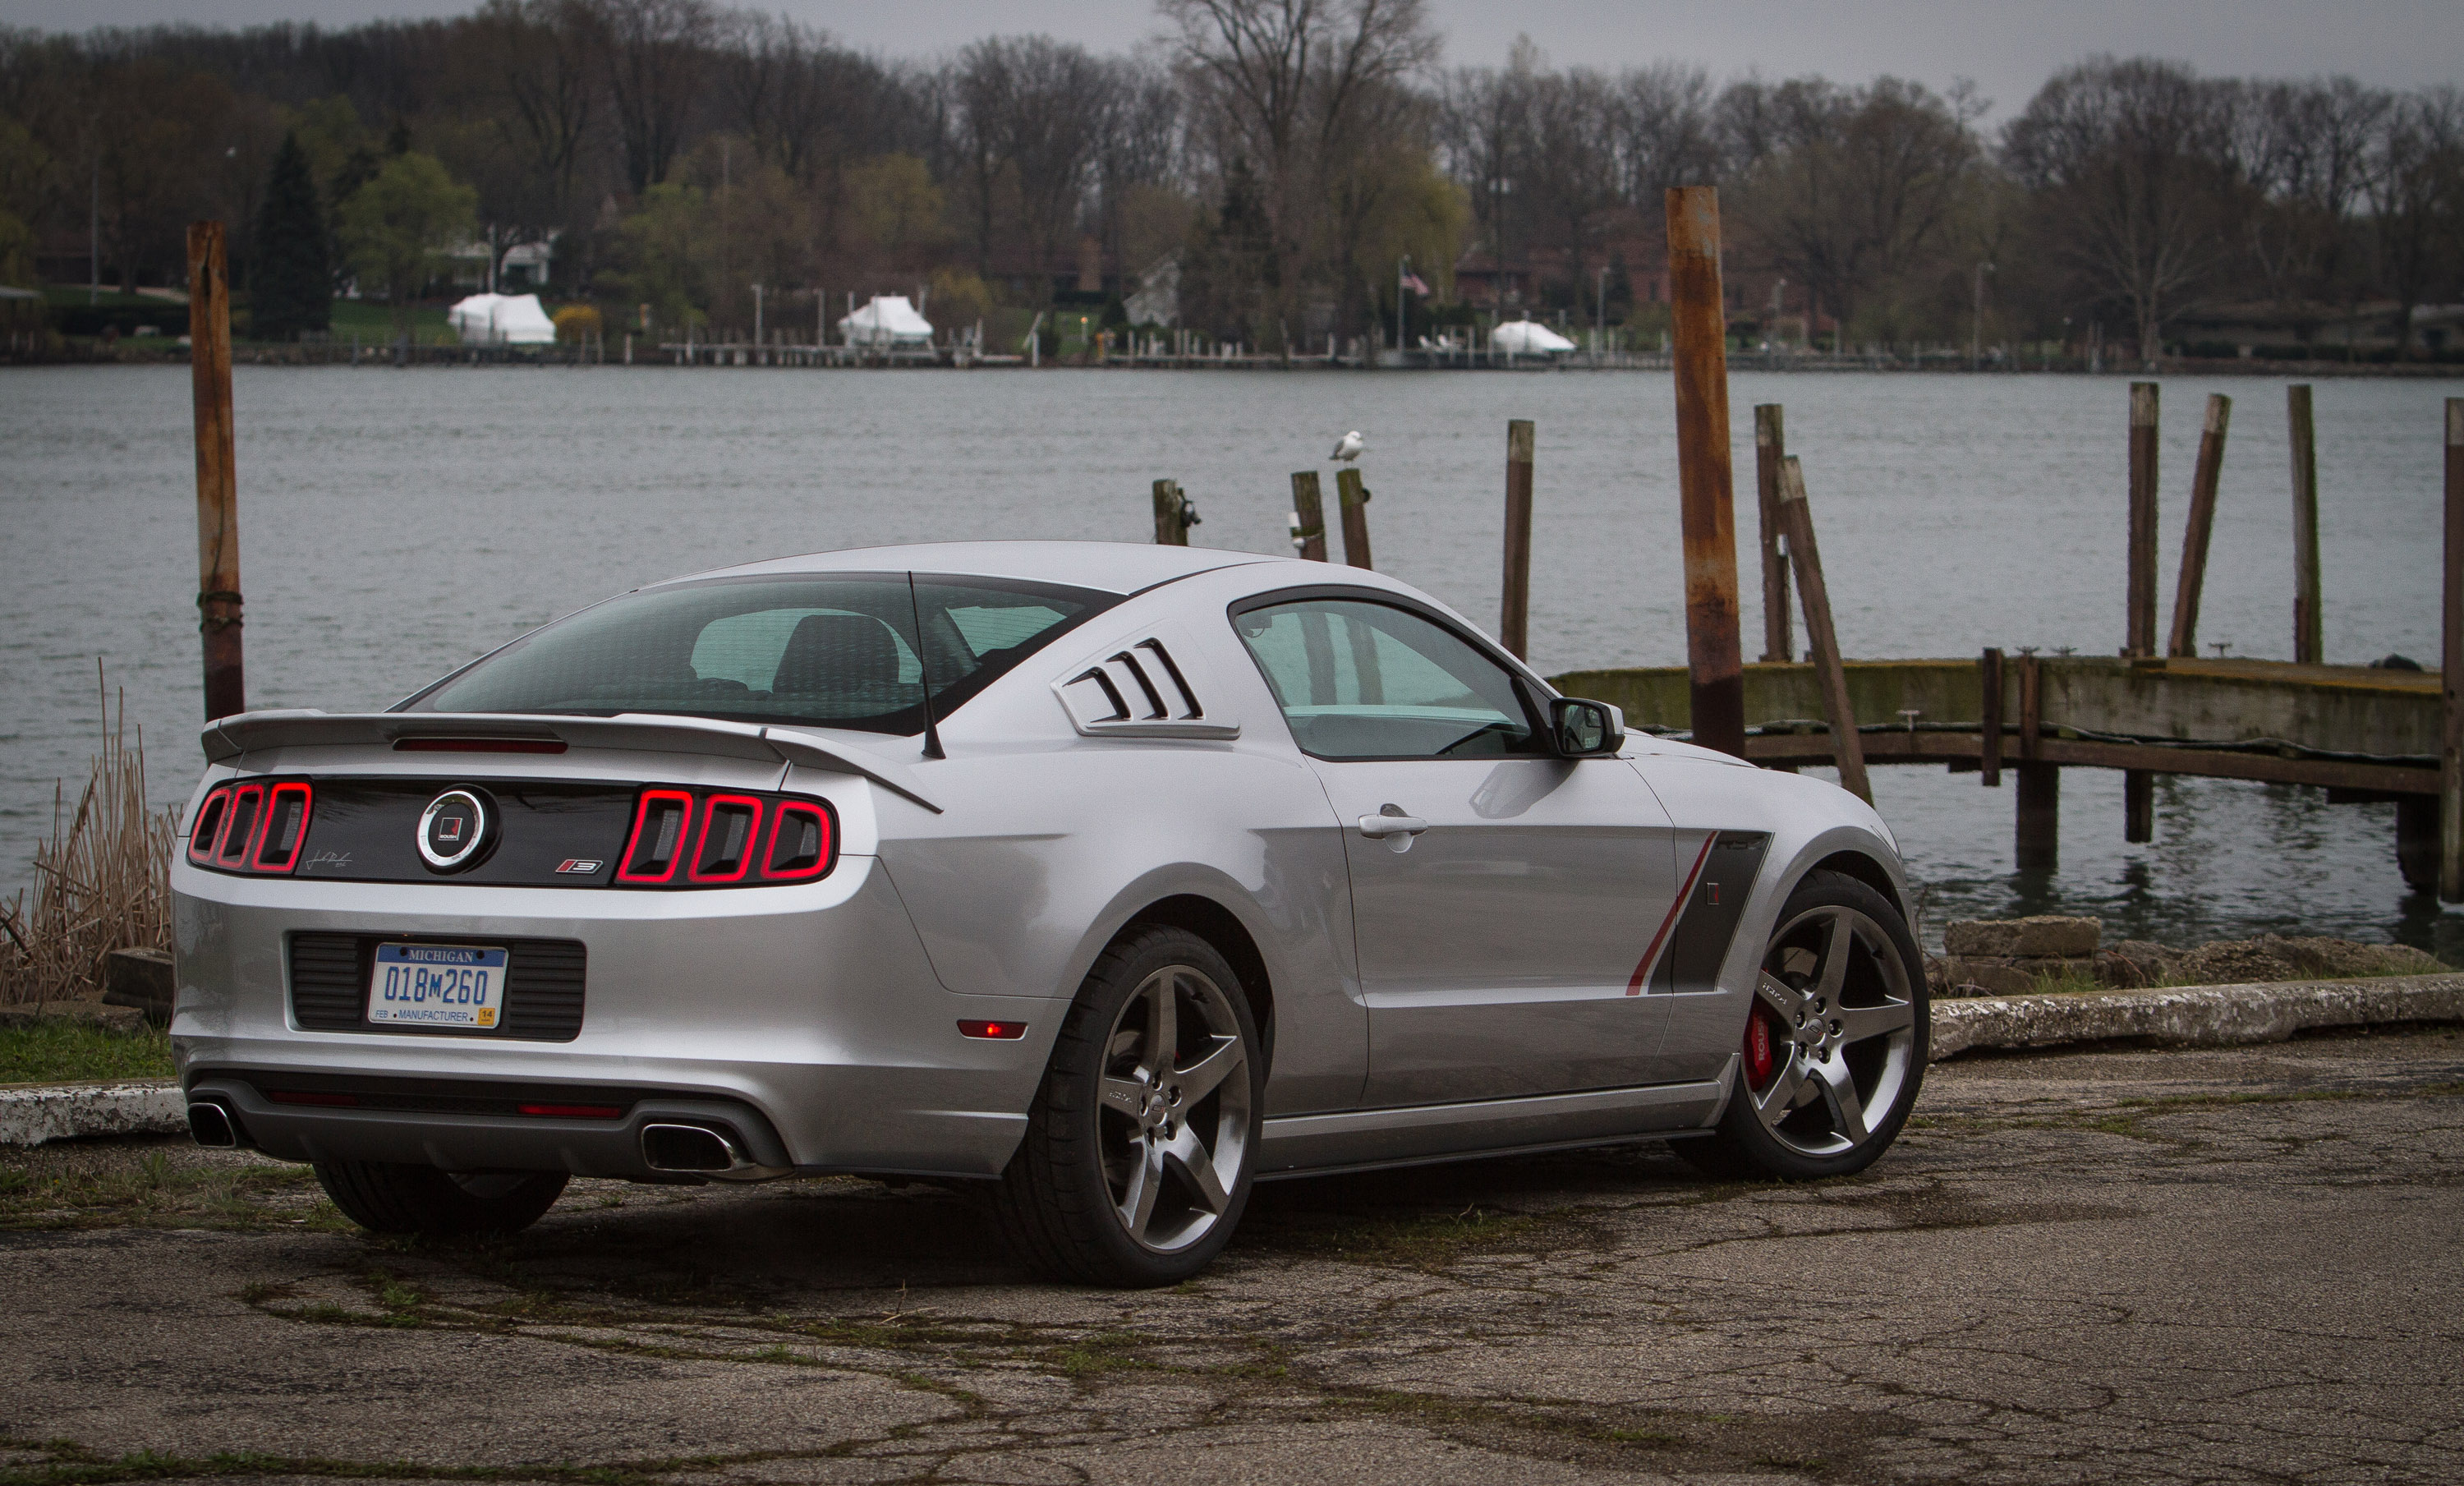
[483,1141]
[812,1007]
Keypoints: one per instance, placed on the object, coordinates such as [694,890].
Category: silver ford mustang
[1106,881]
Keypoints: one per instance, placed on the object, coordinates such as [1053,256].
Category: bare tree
[1664,129]
[1855,186]
[1138,146]
[2132,164]
[2310,150]
[1572,176]
[656,53]
[1029,121]
[1286,83]
[2418,198]
[1483,129]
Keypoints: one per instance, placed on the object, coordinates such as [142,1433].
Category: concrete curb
[32,1113]
[2188,1016]
[2192,1016]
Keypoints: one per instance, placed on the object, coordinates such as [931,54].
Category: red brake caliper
[1759,1059]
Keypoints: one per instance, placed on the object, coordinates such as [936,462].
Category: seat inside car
[831,653]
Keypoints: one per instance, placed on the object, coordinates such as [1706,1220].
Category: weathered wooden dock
[2362,733]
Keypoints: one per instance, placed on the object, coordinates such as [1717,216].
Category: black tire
[386,1198]
[1841,1048]
[1089,1142]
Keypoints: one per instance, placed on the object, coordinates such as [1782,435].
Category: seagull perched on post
[1348,448]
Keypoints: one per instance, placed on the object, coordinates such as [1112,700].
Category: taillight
[257,826]
[731,829]
[799,845]
[239,834]
[286,826]
[658,839]
[212,816]
[687,838]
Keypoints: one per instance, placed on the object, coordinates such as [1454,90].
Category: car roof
[1106,566]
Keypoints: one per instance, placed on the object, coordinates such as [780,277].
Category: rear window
[827,651]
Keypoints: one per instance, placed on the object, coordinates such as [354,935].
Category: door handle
[1392,822]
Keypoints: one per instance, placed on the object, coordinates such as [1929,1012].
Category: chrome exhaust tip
[212,1125]
[691,1149]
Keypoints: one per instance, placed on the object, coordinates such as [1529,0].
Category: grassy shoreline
[59,1051]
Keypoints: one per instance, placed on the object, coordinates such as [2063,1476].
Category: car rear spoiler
[248,732]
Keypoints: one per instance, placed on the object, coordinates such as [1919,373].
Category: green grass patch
[53,1051]
[164,1188]
[373,323]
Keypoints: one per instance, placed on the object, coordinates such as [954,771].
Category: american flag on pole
[1412,281]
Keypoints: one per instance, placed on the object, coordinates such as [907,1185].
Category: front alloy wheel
[1835,1041]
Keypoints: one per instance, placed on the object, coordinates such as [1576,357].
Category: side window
[1364,680]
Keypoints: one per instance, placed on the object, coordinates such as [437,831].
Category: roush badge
[452,829]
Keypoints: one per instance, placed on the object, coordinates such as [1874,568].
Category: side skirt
[1303,1144]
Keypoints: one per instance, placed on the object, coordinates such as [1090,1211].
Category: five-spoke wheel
[1835,1040]
[1137,1156]
[1175,1108]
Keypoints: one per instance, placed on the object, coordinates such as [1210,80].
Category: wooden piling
[2141,596]
[1354,496]
[2038,834]
[2451,749]
[2185,637]
[1309,516]
[218,597]
[1848,747]
[1706,494]
[1988,678]
[2138,786]
[1515,619]
[2307,647]
[1771,446]
[1172,514]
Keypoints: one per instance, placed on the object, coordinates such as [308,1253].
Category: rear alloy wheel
[385,1197]
[1835,1042]
[1138,1150]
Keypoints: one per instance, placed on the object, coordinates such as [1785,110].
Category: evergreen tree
[291,289]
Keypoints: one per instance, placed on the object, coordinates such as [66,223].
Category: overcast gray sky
[2008,48]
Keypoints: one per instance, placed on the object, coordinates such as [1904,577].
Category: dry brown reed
[101,881]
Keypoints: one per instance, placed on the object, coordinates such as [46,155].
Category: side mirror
[1580,729]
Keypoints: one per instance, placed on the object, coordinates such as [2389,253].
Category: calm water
[395,524]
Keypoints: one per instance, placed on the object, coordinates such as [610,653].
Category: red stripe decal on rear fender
[1659,940]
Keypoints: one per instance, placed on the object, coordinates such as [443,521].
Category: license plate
[437,985]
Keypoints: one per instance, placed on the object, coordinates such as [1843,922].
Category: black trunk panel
[367,831]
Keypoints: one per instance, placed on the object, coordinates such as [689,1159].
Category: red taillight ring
[205,833]
[770,848]
[299,832]
[624,871]
[709,809]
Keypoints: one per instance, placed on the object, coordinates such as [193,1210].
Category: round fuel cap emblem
[451,829]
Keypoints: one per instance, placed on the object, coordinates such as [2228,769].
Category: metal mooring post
[1707,496]
[218,601]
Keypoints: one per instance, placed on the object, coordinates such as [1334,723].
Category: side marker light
[995,1031]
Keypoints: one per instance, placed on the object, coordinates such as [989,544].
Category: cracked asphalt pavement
[2235,1265]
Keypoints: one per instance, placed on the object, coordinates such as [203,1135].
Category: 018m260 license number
[437,985]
